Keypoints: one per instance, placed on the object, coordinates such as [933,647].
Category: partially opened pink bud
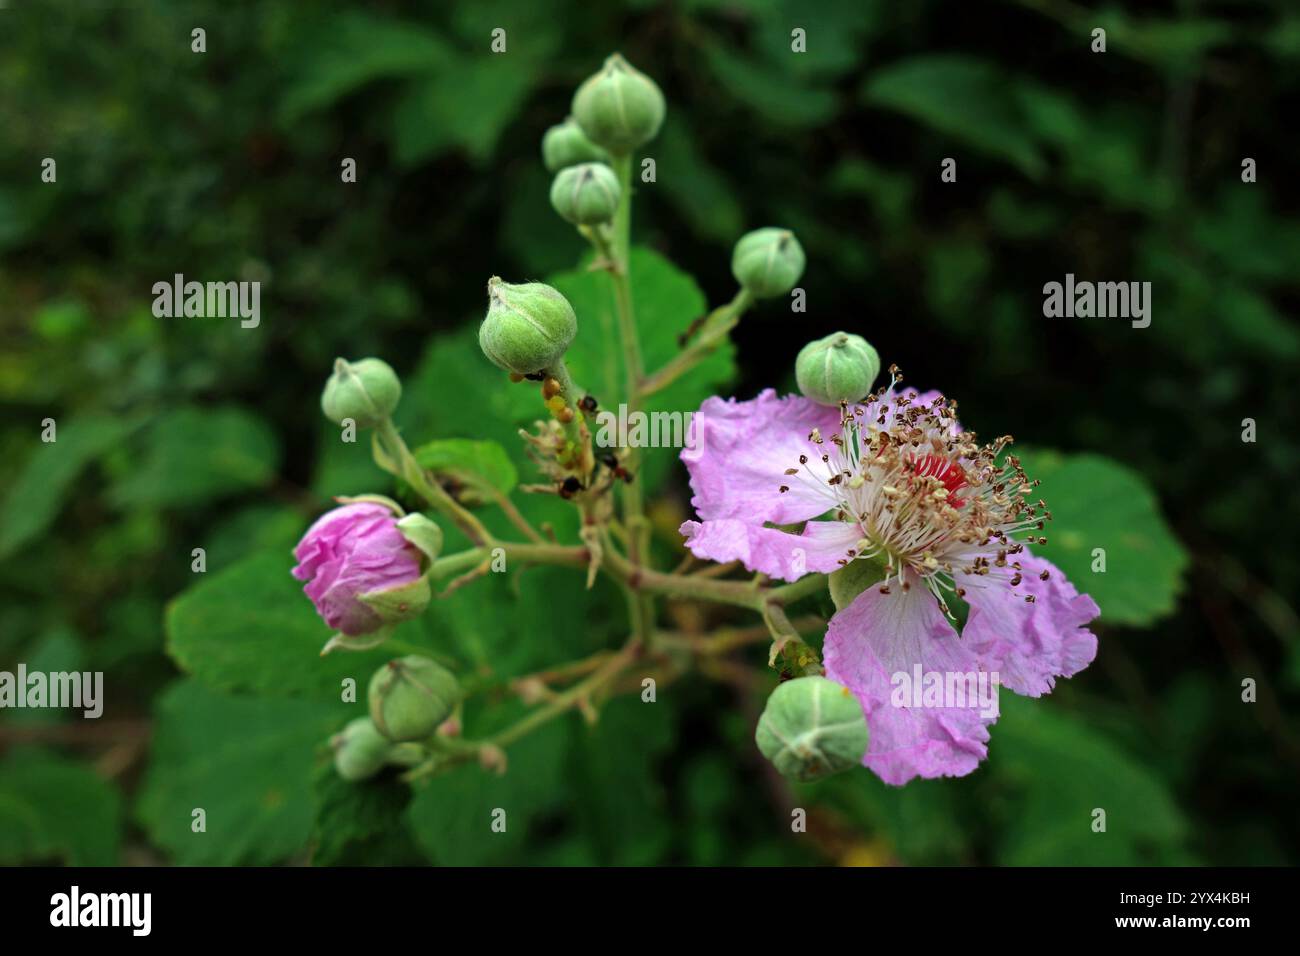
[361,572]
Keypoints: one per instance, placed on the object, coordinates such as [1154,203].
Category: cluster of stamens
[925,495]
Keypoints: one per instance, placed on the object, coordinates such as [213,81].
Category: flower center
[925,494]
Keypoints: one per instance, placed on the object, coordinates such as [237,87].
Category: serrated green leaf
[246,762]
[1064,772]
[196,454]
[360,824]
[249,627]
[1098,503]
[452,816]
[55,809]
[618,790]
[34,499]
[481,465]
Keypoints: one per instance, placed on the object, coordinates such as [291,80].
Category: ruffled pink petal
[879,636]
[740,451]
[1030,645]
[776,553]
[349,552]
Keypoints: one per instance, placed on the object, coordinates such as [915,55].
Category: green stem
[640,606]
[715,329]
[567,699]
[414,475]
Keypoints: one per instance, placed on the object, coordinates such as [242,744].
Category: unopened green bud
[365,391]
[360,750]
[839,368]
[585,195]
[528,327]
[619,108]
[767,262]
[411,696]
[565,144]
[811,728]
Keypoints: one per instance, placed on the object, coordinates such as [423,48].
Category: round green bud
[619,107]
[365,391]
[811,728]
[528,327]
[585,195]
[360,750]
[411,696]
[565,144]
[839,368]
[767,262]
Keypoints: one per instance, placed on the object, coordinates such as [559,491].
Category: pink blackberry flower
[895,481]
[348,557]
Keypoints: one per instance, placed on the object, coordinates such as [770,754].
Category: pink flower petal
[879,636]
[740,451]
[1031,645]
[776,553]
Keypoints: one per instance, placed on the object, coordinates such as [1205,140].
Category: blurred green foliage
[182,433]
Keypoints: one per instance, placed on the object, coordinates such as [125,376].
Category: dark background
[1117,166]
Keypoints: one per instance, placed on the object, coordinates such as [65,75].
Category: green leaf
[34,499]
[452,817]
[618,790]
[776,95]
[1097,503]
[360,824]
[260,527]
[1063,772]
[246,762]
[249,627]
[195,454]
[466,106]
[480,465]
[968,99]
[351,50]
[56,810]
[523,620]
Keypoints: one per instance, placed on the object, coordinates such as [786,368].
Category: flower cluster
[878,502]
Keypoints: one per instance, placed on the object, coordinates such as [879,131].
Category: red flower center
[948,473]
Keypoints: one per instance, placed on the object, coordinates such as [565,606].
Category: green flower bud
[767,262]
[411,696]
[585,195]
[840,367]
[811,728]
[360,750]
[565,144]
[528,327]
[619,108]
[365,391]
